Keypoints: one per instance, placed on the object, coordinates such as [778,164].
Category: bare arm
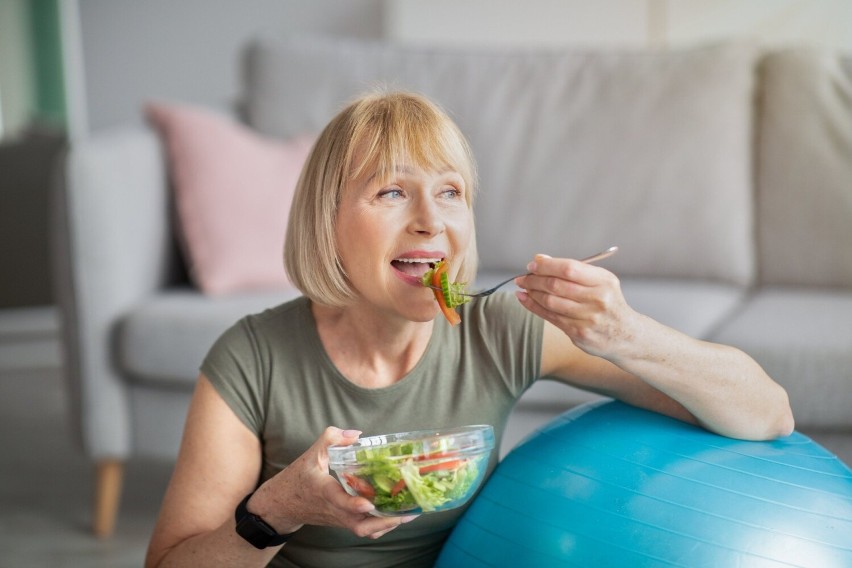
[594,340]
[218,465]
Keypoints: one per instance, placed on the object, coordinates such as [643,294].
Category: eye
[451,193]
[391,193]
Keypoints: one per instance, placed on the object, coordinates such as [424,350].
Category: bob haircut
[375,133]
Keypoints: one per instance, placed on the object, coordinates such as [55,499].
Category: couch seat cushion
[165,338]
[803,338]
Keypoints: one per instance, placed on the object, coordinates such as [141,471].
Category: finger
[369,526]
[402,521]
[382,533]
[382,525]
[548,304]
[557,287]
[558,295]
[337,436]
[351,504]
[568,269]
[331,436]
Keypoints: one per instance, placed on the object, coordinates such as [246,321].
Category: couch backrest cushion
[805,169]
[576,150]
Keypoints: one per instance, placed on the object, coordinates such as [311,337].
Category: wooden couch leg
[107,496]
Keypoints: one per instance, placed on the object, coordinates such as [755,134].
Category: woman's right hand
[304,493]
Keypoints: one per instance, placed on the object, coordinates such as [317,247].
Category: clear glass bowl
[408,473]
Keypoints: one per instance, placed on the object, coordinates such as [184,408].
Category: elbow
[773,422]
[780,423]
[779,428]
[786,424]
[785,421]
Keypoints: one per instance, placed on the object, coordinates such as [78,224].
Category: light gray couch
[724,173]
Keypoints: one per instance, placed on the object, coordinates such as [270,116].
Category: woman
[386,192]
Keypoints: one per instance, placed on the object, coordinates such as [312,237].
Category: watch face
[255,531]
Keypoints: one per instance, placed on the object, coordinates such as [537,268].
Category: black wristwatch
[255,530]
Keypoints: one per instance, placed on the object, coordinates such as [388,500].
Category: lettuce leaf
[452,291]
[381,467]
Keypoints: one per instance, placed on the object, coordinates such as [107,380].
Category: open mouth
[416,267]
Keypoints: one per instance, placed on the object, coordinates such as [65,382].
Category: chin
[422,316]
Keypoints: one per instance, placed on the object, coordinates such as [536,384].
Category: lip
[418,253]
[408,279]
[421,253]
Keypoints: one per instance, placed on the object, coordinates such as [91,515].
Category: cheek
[462,227]
[356,234]
[345,233]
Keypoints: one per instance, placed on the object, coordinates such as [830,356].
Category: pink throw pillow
[233,190]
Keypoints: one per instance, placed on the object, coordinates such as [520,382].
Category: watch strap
[254,529]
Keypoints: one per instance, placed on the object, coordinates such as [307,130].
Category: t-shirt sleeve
[512,337]
[236,372]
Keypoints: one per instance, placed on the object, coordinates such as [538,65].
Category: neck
[370,350]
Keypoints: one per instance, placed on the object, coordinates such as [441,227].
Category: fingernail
[531,266]
[351,433]
[408,519]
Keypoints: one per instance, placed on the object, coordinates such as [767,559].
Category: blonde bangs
[400,130]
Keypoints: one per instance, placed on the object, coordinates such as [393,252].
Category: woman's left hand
[583,300]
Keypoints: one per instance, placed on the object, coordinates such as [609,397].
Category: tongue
[413,268]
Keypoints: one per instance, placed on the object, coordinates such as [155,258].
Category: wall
[189,49]
[620,23]
[17,82]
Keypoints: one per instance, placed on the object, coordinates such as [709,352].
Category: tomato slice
[442,466]
[452,316]
[436,455]
[361,487]
[398,486]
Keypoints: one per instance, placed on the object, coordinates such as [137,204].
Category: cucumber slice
[383,482]
[447,291]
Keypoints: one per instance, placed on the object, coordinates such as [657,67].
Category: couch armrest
[112,246]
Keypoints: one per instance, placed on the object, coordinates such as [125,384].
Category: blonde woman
[388,190]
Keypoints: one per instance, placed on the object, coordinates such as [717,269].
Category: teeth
[418,260]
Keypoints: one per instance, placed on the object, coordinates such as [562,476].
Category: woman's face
[390,231]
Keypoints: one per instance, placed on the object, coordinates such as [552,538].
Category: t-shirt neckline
[310,325]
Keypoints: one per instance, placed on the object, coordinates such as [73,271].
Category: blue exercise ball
[607,484]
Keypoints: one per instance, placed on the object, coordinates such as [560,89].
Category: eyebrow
[398,169]
[408,170]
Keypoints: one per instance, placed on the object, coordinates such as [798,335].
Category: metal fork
[589,259]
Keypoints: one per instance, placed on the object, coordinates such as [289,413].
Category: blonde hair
[373,134]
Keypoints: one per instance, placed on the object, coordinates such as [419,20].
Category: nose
[426,219]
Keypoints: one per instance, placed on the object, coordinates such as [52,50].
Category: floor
[46,484]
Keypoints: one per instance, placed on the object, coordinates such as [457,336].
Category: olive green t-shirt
[272,370]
